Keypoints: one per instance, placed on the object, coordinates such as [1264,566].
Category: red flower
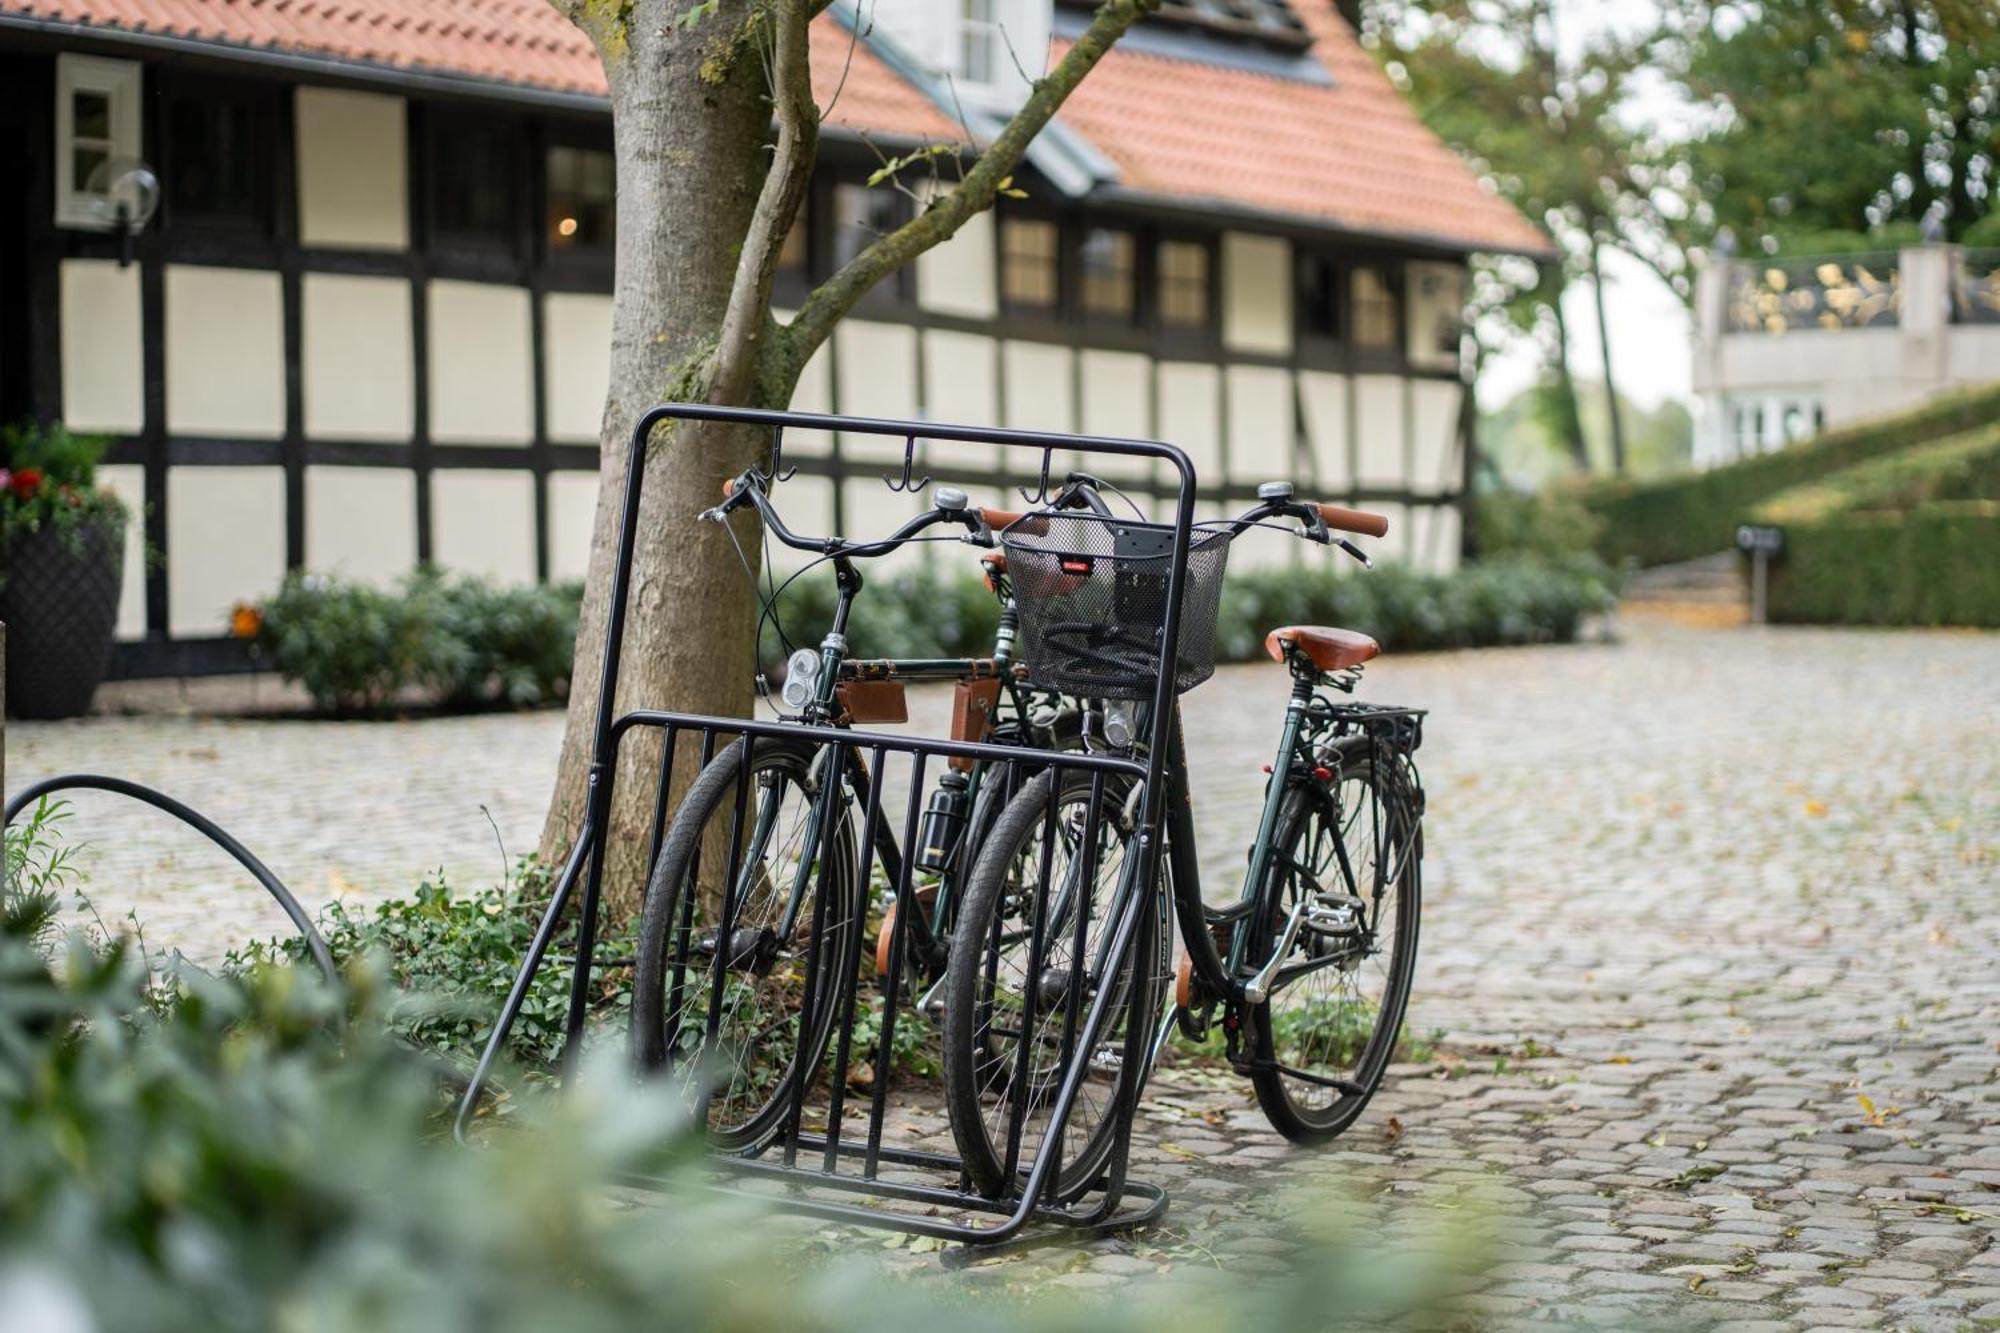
[25,482]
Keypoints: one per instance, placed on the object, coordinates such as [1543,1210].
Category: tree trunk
[1572,418]
[690,128]
[1604,347]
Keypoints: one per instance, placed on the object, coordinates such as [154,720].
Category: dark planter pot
[60,603]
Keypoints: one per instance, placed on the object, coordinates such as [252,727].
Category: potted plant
[62,558]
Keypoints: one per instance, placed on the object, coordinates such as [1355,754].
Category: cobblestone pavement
[1709,931]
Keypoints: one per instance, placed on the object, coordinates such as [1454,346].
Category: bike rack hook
[777,459]
[1041,497]
[904,483]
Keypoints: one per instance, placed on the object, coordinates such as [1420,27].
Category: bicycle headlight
[801,672]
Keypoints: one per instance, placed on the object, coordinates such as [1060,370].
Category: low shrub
[1937,564]
[1550,524]
[1682,518]
[1519,599]
[448,639]
[1959,467]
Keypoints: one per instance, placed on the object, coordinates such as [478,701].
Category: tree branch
[832,299]
[748,314]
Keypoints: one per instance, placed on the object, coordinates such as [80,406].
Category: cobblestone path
[1710,931]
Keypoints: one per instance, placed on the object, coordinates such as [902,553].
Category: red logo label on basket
[1077,564]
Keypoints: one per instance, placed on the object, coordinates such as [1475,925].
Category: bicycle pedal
[1334,914]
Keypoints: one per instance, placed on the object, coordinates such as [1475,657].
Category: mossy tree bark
[706,196]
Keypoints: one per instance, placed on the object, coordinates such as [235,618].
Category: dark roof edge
[1226,214]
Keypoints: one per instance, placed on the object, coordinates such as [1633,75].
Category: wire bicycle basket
[1094,593]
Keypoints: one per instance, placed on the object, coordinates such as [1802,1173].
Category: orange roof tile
[1352,155]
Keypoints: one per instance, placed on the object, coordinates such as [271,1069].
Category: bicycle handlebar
[749,489]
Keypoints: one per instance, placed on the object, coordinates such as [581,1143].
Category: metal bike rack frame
[830,1160]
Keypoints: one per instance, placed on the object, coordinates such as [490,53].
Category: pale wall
[102,383]
[482,368]
[353,173]
[355,357]
[226,529]
[225,352]
[361,522]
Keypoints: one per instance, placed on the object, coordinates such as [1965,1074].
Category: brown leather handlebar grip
[997,519]
[729,488]
[1354,520]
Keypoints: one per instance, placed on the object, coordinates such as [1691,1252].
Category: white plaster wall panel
[1189,416]
[1435,464]
[813,393]
[877,370]
[1397,544]
[961,386]
[1117,389]
[1264,550]
[352,173]
[1041,395]
[957,278]
[361,522]
[483,522]
[482,385]
[1262,428]
[572,514]
[128,482]
[102,385]
[1256,293]
[576,369]
[1378,419]
[1442,539]
[873,510]
[1323,397]
[1972,353]
[806,502]
[225,352]
[355,357]
[225,544]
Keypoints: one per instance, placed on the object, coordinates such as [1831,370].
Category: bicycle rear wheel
[1320,1044]
[742,1076]
[1004,1032]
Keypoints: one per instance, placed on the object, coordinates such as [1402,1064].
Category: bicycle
[1330,898]
[747,1059]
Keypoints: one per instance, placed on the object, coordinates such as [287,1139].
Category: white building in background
[369,325]
[1784,348]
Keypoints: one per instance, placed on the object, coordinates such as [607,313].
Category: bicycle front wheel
[1320,1044]
[723,1015]
[1012,1022]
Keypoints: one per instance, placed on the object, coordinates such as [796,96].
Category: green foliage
[1523,440]
[1521,599]
[464,643]
[453,957]
[1681,518]
[48,478]
[1509,601]
[1547,524]
[1984,233]
[1840,117]
[1958,467]
[1938,564]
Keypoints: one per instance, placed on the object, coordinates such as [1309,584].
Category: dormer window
[979,41]
[97,125]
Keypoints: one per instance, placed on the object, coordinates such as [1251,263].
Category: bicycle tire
[1281,1095]
[713,793]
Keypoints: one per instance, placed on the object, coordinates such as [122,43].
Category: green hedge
[1939,564]
[1518,599]
[1659,522]
[1959,467]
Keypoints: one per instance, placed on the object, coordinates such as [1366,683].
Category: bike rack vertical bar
[824,842]
[1022,1090]
[899,935]
[726,925]
[850,967]
[667,742]
[676,1005]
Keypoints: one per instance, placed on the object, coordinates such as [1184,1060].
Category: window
[1110,275]
[218,157]
[97,125]
[1319,299]
[979,41]
[1436,313]
[1184,285]
[1030,264]
[582,199]
[1373,308]
[861,216]
[474,182]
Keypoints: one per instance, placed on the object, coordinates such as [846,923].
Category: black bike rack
[828,1151]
